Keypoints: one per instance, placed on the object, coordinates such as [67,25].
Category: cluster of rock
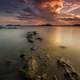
[32,37]
[35,67]
[68,72]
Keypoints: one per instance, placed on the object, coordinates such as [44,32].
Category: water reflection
[12,41]
[55,35]
[59,35]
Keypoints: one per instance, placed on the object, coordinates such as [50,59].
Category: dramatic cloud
[53,6]
[48,11]
[41,9]
[68,7]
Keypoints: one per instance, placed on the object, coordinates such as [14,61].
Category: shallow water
[13,43]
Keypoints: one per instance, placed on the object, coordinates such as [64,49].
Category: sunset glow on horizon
[39,11]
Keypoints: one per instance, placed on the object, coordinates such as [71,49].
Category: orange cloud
[53,6]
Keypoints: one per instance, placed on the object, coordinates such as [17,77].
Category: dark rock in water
[29,35]
[46,25]
[60,63]
[67,76]
[63,63]
[63,46]
[22,56]
[32,37]
[75,75]
[30,41]
[40,39]
[34,33]
[67,69]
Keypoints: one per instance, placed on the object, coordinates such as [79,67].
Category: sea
[58,42]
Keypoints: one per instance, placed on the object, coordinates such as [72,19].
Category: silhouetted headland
[76,24]
[46,25]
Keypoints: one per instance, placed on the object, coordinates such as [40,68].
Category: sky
[35,12]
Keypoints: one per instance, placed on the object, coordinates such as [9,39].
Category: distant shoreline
[24,26]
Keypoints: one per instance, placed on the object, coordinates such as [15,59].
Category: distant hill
[76,24]
[46,25]
[12,25]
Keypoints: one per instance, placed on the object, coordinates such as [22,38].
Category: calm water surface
[13,42]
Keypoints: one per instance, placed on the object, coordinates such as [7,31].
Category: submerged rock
[68,70]
[62,46]
[39,38]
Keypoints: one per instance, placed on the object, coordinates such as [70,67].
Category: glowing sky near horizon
[39,11]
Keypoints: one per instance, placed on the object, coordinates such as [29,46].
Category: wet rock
[40,39]
[63,46]
[35,33]
[67,76]
[30,41]
[75,75]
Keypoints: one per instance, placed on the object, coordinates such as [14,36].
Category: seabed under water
[38,66]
